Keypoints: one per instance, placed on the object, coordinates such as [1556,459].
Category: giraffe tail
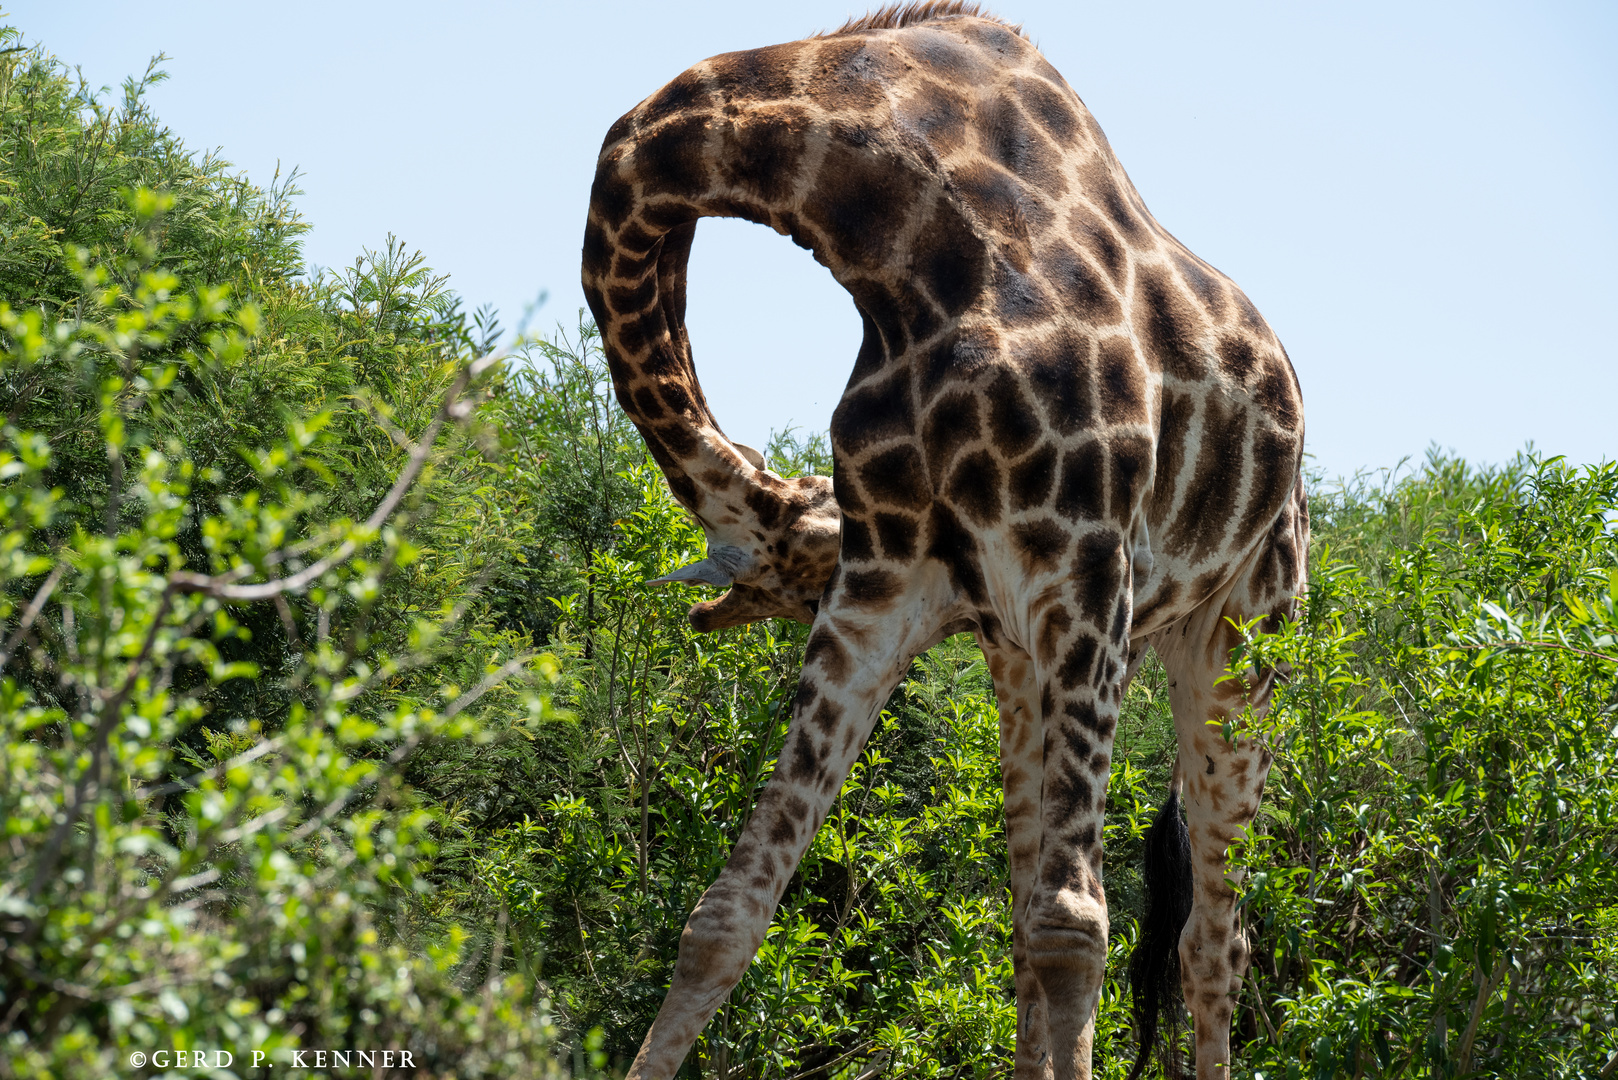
[1154,969]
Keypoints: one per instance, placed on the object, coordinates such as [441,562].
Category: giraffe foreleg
[853,661]
[1016,692]
[1083,661]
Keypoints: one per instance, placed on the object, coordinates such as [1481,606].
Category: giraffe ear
[706,571]
[753,457]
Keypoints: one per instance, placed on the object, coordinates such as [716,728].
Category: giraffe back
[1045,371]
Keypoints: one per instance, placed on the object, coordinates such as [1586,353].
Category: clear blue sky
[1420,197]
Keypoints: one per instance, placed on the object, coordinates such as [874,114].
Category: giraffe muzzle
[775,564]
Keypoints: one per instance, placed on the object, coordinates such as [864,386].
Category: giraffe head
[772,540]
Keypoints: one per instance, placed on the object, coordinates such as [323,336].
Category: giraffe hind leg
[1223,778]
[1085,661]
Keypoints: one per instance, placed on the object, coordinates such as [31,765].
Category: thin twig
[404,750]
[257,750]
[1258,1000]
[35,606]
[283,609]
[1526,645]
[859,1048]
[204,877]
[495,961]
[111,712]
[453,408]
[1487,985]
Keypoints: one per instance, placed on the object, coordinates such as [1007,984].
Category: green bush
[244,553]
[158,896]
[1434,882]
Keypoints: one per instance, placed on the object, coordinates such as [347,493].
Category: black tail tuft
[1154,969]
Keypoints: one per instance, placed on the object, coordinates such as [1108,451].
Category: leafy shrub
[215,673]
[1435,876]
[158,897]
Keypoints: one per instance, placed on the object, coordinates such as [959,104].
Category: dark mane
[897,16]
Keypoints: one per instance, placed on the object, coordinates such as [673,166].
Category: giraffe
[1063,433]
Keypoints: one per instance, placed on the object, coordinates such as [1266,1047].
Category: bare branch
[1527,645]
[454,407]
[35,606]
[406,748]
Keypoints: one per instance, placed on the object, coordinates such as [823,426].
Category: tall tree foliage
[248,526]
